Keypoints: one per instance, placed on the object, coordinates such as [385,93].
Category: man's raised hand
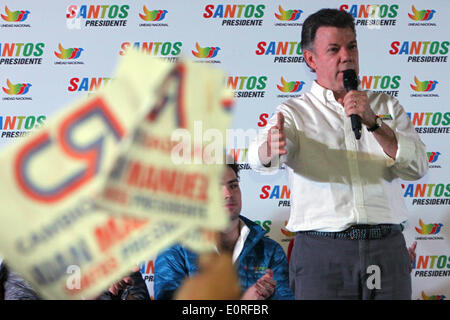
[275,145]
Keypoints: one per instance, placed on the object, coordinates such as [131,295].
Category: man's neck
[229,238]
[339,95]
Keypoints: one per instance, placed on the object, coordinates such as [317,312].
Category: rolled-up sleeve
[411,161]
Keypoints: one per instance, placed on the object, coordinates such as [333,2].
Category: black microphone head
[350,80]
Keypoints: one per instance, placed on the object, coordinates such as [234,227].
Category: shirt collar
[241,240]
[323,94]
[239,246]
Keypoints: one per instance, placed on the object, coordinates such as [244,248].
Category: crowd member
[14,287]
[131,287]
[346,205]
[260,261]
[412,254]
[2,280]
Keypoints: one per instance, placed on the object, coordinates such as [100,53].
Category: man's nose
[226,192]
[346,55]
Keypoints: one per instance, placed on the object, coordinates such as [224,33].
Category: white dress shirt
[239,246]
[337,181]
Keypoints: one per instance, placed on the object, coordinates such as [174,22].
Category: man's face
[231,193]
[335,50]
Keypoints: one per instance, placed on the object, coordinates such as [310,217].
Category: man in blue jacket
[261,262]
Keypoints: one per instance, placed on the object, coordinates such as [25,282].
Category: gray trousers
[326,268]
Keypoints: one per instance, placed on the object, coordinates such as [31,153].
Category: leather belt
[359,232]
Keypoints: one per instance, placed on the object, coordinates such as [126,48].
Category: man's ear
[309,59]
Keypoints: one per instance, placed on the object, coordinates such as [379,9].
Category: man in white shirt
[346,200]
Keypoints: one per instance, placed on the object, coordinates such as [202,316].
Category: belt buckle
[358,232]
[385,230]
[351,232]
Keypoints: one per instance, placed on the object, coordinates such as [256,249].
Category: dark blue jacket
[259,253]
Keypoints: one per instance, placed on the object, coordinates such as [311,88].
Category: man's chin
[233,216]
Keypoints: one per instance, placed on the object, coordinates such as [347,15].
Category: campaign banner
[54,234]
[200,240]
[403,52]
[174,165]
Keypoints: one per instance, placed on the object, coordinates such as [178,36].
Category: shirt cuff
[405,151]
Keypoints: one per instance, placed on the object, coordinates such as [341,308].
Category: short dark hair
[235,168]
[324,18]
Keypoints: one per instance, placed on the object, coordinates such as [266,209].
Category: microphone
[351,83]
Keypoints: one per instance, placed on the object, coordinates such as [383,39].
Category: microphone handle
[351,83]
[356,125]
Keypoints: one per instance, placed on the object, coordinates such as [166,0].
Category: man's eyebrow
[337,45]
[232,181]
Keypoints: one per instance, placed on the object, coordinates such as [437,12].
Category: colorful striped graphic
[68,54]
[15,16]
[16,89]
[154,15]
